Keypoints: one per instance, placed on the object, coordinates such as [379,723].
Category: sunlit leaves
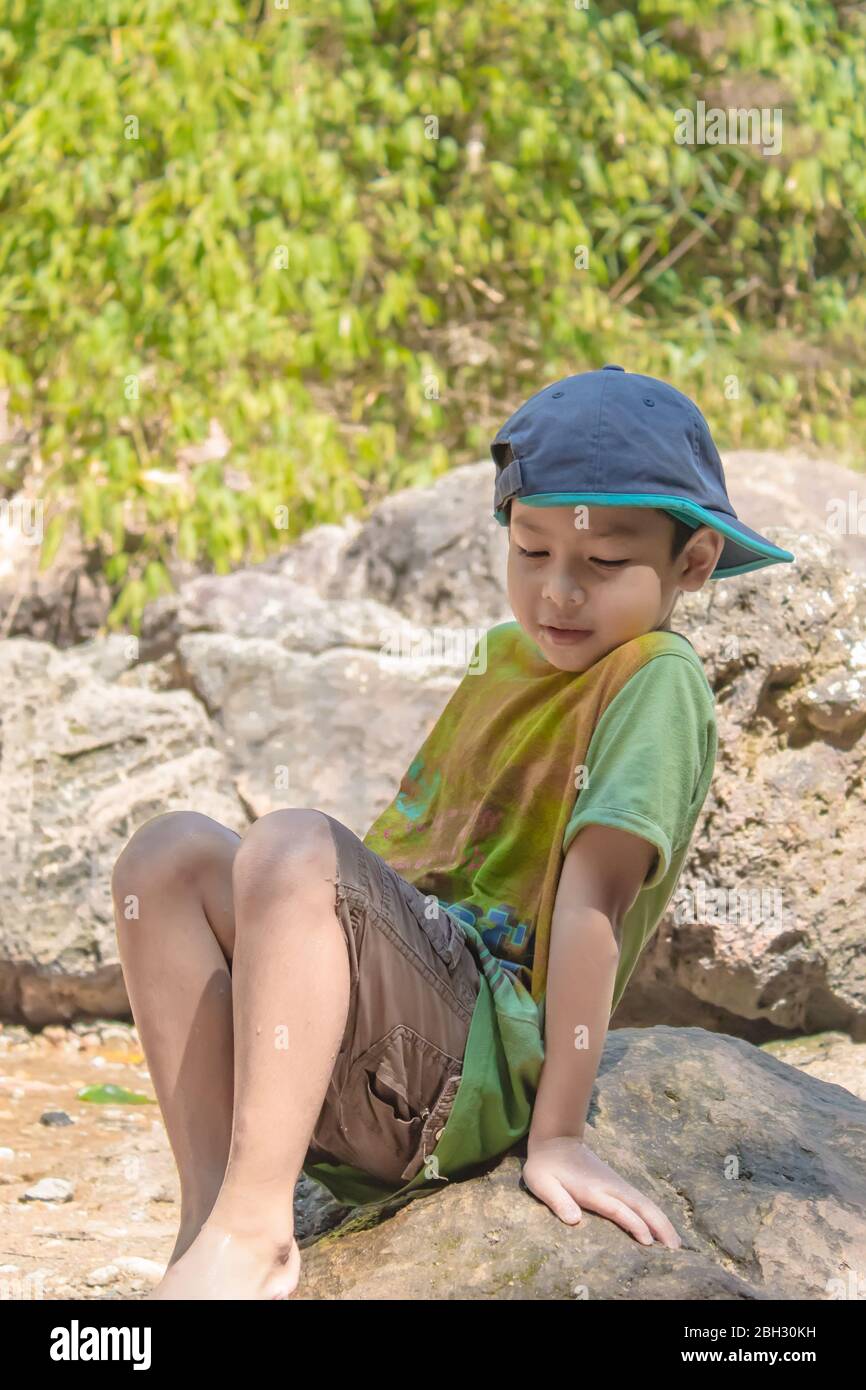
[293,225]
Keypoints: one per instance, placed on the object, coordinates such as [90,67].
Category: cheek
[639,584]
[512,582]
[516,573]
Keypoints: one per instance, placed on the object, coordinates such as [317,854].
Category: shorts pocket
[387,1100]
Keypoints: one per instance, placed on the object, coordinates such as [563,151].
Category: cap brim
[744,549]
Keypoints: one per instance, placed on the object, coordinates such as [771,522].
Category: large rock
[316,677]
[435,553]
[433,556]
[333,731]
[264,600]
[765,930]
[84,762]
[95,743]
[768,487]
[760,1168]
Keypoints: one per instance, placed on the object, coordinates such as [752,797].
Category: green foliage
[230,213]
[110,1094]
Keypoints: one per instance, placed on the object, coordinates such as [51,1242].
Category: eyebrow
[608,528]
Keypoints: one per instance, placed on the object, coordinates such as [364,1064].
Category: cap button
[611,367]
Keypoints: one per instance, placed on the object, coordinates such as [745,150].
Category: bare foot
[223,1264]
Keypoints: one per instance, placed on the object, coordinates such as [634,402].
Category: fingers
[646,1219]
[657,1222]
[554,1195]
[634,1213]
[625,1216]
[650,1216]
[641,1217]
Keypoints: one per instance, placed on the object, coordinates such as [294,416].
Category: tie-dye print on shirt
[521,758]
[492,800]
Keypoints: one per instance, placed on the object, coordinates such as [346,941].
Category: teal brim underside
[765,552]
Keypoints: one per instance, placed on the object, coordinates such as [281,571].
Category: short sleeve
[650,759]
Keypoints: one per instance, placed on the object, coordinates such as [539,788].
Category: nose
[563,592]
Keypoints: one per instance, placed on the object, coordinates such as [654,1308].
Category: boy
[451,988]
[614,497]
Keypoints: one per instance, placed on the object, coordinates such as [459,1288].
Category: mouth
[565,634]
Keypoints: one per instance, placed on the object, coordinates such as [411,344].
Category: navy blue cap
[613,438]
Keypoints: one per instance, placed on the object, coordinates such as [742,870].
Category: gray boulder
[85,761]
[760,1168]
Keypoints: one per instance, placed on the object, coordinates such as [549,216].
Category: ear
[703,556]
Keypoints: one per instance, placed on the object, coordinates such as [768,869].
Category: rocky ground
[89,1195]
[89,1192]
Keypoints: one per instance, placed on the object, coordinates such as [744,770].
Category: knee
[280,852]
[173,848]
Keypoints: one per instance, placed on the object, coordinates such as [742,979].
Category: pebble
[49,1190]
[135,1264]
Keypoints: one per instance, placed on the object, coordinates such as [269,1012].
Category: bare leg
[290,990]
[174,912]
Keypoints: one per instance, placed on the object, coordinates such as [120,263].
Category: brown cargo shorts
[414,984]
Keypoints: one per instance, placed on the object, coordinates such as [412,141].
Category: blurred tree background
[263,264]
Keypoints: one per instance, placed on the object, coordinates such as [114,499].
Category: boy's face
[605,570]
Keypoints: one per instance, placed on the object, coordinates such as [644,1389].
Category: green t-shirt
[521,758]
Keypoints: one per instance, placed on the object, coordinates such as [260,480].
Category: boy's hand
[564,1172]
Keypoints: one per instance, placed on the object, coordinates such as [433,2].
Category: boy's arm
[601,876]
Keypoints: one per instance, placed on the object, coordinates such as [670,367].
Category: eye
[537,555]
